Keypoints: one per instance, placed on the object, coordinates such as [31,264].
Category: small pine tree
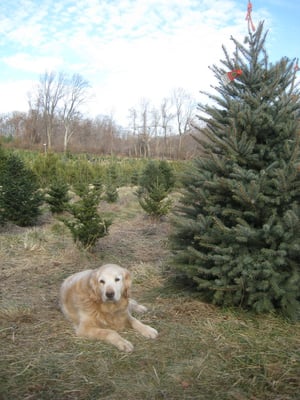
[86,224]
[160,173]
[155,202]
[20,198]
[167,174]
[111,193]
[134,180]
[112,174]
[237,231]
[57,197]
[156,182]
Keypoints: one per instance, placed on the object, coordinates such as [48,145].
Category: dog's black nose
[110,295]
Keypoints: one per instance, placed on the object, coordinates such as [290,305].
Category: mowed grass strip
[202,352]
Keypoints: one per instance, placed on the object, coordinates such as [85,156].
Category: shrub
[47,168]
[20,197]
[155,202]
[159,173]
[86,224]
[57,197]
[111,192]
[156,182]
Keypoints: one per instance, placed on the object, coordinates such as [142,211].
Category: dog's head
[111,282]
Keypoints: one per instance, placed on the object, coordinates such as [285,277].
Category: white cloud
[127,49]
[14,95]
[38,65]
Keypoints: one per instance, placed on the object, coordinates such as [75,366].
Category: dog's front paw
[136,307]
[140,309]
[124,345]
[115,339]
[149,332]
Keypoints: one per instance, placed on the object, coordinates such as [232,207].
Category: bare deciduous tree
[155,127]
[57,100]
[12,124]
[140,125]
[74,96]
[51,90]
[184,106]
[32,131]
[144,129]
[166,118]
[133,126]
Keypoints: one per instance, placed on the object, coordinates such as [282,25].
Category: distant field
[201,353]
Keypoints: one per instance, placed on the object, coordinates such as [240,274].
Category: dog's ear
[127,282]
[94,285]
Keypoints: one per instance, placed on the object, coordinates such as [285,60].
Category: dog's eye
[117,279]
[102,281]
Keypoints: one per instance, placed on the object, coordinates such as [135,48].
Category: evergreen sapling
[86,224]
[156,182]
[57,197]
[20,197]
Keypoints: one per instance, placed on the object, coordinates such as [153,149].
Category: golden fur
[97,303]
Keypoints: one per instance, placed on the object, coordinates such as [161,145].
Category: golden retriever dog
[97,303]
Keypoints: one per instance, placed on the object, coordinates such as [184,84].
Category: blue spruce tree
[236,231]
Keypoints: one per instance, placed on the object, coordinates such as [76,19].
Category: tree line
[55,122]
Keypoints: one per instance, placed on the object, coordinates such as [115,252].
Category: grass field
[201,353]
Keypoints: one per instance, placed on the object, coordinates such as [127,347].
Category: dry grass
[201,353]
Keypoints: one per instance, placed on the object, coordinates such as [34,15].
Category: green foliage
[75,169]
[111,192]
[20,198]
[156,181]
[85,223]
[237,229]
[3,158]
[158,173]
[47,167]
[155,202]
[112,174]
[135,178]
[81,171]
[57,197]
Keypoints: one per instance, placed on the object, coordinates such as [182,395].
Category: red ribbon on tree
[230,76]
[248,16]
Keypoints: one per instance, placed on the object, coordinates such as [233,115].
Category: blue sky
[130,49]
